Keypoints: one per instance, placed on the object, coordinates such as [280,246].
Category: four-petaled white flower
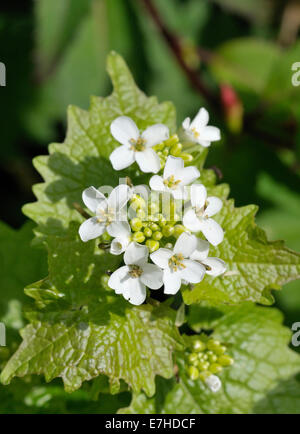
[107,210]
[213,266]
[135,146]
[177,266]
[175,178]
[132,279]
[198,219]
[198,131]
[214,383]
[122,233]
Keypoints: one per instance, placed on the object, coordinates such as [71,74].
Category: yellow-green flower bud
[173,140]
[198,346]
[204,375]
[225,360]
[157,235]
[154,227]
[148,232]
[136,224]
[159,147]
[138,202]
[220,350]
[168,230]
[165,152]
[212,358]
[152,245]
[176,150]
[178,230]
[193,373]
[186,157]
[212,344]
[141,214]
[215,368]
[193,358]
[138,237]
[203,366]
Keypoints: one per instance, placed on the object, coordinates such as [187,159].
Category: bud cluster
[207,357]
[173,147]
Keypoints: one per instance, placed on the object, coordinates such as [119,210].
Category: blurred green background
[241,52]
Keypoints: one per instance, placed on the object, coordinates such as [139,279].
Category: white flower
[131,279]
[198,131]
[175,177]
[198,218]
[176,267]
[122,233]
[213,266]
[135,146]
[107,210]
[214,383]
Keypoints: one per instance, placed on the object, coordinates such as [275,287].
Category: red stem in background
[250,125]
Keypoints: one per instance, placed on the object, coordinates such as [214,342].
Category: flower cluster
[163,230]
[206,359]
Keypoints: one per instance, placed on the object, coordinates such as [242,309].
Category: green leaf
[255,266]
[245,63]
[262,363]
[20,264]
[82,330]
[56,23]
[82,160]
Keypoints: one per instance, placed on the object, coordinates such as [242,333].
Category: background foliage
[55,54]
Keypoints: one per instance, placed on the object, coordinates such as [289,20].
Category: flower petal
[180,192]
[186,123]
[210,134]
[212,231]
[188,175]
[92,198]
[156,183]
[135,291]
[118,279]
[214,206]
[204,143]
[214,383]
[217,266]
[119,229]
[172,282]
[91,229]
[122,157]
[119,197]
[185,244]
[172,166]
[148,161]
[161,257]
[123,129]
[136,254]
[191,221]
[201,251]
[118,245]
[198,195]
[155,134]
[193,271]
[152,276]
[201,119]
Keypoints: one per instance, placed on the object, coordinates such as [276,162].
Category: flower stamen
[137,145]
[176,262]
[170,182]
[135,271]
